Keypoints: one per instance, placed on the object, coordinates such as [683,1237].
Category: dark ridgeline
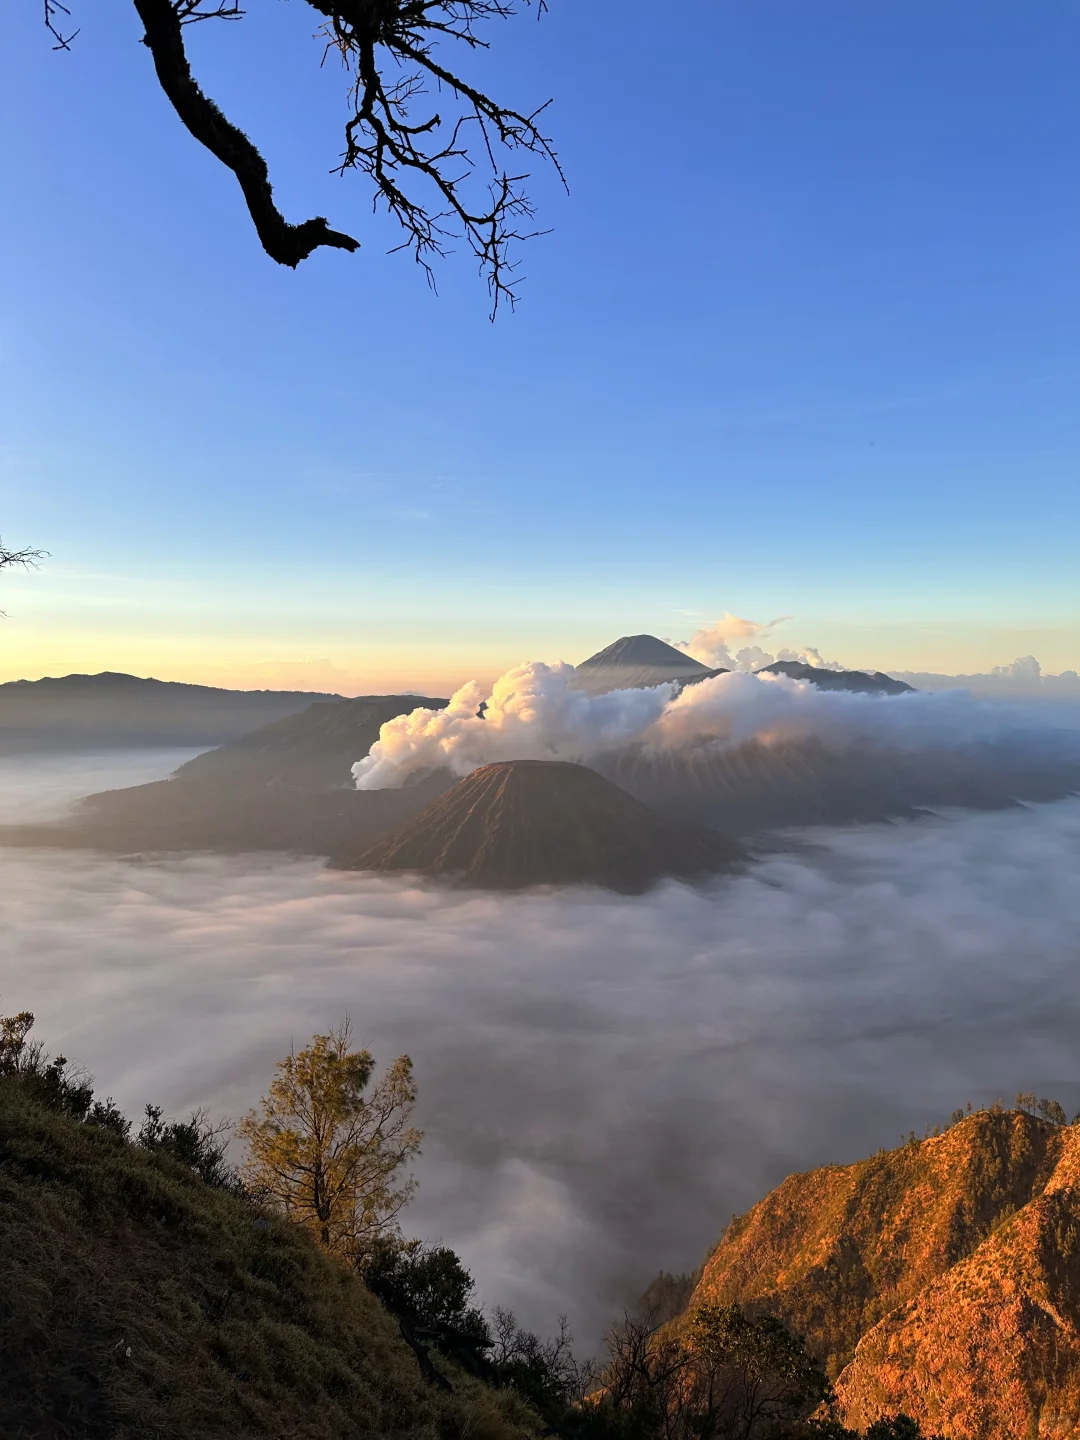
[545,822]
[756,787]
[286,786]
[113,711]
[873,682]
[316,748]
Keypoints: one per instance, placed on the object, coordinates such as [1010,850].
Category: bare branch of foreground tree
[27,559]
[489,209]
[286,243]
[54,12]
[442,157]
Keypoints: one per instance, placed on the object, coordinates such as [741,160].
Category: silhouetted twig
[53,11]
[444,172]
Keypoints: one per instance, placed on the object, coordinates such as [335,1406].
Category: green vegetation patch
[139,1301]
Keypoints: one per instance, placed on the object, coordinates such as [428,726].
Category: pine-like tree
[329,1151]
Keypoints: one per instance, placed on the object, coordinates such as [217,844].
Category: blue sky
[805,339]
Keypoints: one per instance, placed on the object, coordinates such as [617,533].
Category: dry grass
[135,1301]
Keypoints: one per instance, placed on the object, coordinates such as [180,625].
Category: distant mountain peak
[642,650]
[636,662]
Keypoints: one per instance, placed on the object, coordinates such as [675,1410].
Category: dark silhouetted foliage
[427,1284]
[50,1080]
[725,1376]
[196,1143]
[544,1371]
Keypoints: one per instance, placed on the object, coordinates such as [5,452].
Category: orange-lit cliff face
[941,1279]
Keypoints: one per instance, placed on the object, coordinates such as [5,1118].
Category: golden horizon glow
[398,663]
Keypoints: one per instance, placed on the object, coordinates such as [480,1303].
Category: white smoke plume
[533,714]
[808,655]
[714,645]
[530,714]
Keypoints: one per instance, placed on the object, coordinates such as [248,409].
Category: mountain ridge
[110,710]
[941,1279]
[865,682]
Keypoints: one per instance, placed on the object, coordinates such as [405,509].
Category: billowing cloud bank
[1023,679]
[603,1081]
[533,714]
[734,643]
[719,647]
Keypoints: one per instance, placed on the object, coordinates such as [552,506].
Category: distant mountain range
[116,711]
[113,711]
[941,1279]
[287,785]
[545,822]
[636,662]
[874,682]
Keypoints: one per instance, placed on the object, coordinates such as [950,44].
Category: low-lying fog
[603,1080]
[44,787]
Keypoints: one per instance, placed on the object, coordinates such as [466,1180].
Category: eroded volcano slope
[540,822]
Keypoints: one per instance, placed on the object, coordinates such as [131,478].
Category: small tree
[329,1154]
[198,1143]
[727,1376]
[760,1374]
[1052,1112]
[426,1286]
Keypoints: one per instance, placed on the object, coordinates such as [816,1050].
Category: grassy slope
[236,1326]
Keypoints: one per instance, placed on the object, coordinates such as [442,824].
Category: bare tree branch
[286,243]
[53,11]
[450,172]
[385,143]
[28,559]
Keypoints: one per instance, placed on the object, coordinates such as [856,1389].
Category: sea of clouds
[603,1080]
